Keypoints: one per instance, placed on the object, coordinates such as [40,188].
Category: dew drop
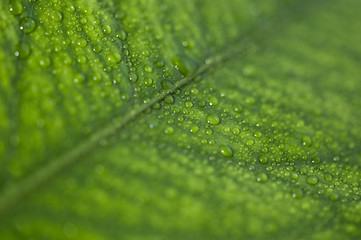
[250,142]
[148,81]
[106,29]
[312,180]
[15,7]
[27,25]
[56,16]
[166,84]
[97,48]
[213,101]
[81,42]
[194,129]
[179,64]
[122,35]
[226,151]
[133,77]
[114,57]
[169,99]
[168,130]
[148,69]
[188,104]
[213,119]
[261,177]
[263,159]
[306,141]
[23,50]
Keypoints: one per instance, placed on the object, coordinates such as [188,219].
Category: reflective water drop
[27,25]
[148,81]
[23,50]
[226,151]
[133,77]
[306,141]
[213,119]
[166,84]
[313,180]
[148,69]
[261,177]
[106,29]
[194,129]
[188,104]
[169,99]
[114,57]
[263,159]
[97,48]
[179,64]
[168,130]
[15,7]
[81,42]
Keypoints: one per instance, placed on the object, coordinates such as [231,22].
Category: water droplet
[213,119]
[81,42]
[179,64]
[148,81]
[194,129]
[106,29]
[166,84]
[250,142]
[15,7]
[148,69]
[261,177]
[169,130]
[23,50]
[313,180]
[213,101]
[56,16]
[27,25]
[114,57]
[328,177]
[226,151]
[122,35]
[297,193]
[188,104]
[169,99]
[133,77]
[257,134]
[306,141]
[97,48]
[263,159]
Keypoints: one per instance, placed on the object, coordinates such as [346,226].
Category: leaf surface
[180,120]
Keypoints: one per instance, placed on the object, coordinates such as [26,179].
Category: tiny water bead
[263,159]
[27,25]
[312,180]
[306,141]
[261,177]
[15,7]
[213,101]
[188,104]
[213,119]
[194,129]
[97,48]
[133,77]
[106,29]
[148,81]
[114,57]
[148,69]
[23,50]
[226,151]
[81,42]
[166,84]
[169,99]
[179,64]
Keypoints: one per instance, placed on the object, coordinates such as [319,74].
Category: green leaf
[180,119]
